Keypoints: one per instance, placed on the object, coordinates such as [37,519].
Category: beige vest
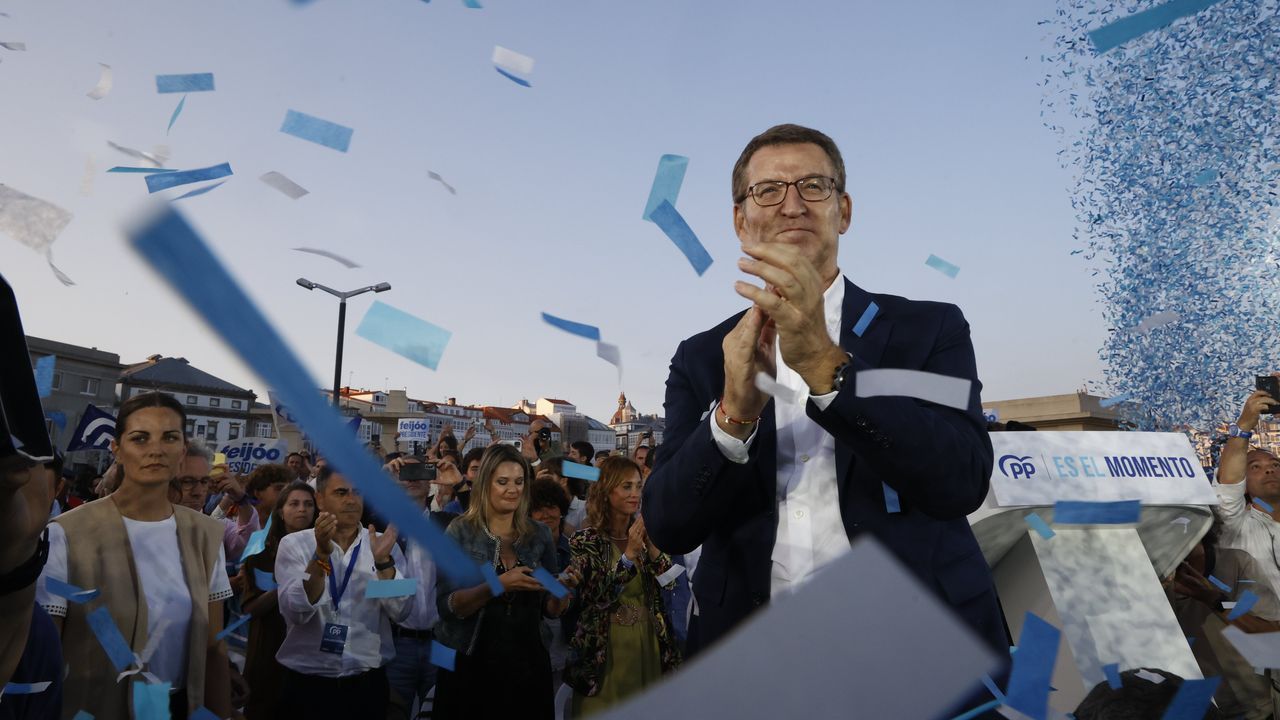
[99,556]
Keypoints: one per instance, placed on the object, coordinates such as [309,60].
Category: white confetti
[15,46]
[104,83]
[1150,677]
[156,159]
[284,184]
[1158,320]
[31,221]
[770,387]
[940,389]
[670,575]
[512,60]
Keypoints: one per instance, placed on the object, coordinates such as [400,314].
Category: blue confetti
[1136,127]
[201,191]
[126,169]
[235,624]
[1112,671]
[442,656]
[512,77]
[491,577]
[257,541]
[991,684]
[151,701]
[396,587]
[549,581]
[891,504]
[403,334]
[942,266]
[264,580]
[865,321]
[1244,604]
[113,643]
[192,82]
[204,713]
[1191,700]
[174,250]
[1028,690]
[580,471]
[44,375]
[317,130]
[14,688]
[666,182]
[1221,585]
[1123,30]
[69,591]
[1038,524]
[1083,512]
[1205,177]
[1263,504]
[163,181]
[590,332]
[176,112]
[672,223]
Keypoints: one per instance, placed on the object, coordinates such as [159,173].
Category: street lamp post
[342,324]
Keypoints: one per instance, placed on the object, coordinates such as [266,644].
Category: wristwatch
[380,566]
[842,373]
[1233,430]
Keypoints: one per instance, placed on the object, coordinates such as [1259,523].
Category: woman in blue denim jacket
[502,665]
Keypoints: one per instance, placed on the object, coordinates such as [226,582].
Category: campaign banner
[244,455]
[411,429]
[1041,468]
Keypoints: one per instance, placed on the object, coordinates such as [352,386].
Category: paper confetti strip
[1081,512]
[156,159]
[1150,677]
[665,216]
[189,83]
[1220,585]
[436,176]
[1191,700]
[1028,690]
[71,592]
[891,502]
[44,375]
[403,334]
[1158,320]
[590,332]
[15,46]
[103,87]
[443,656]
[1112,673]
[581,472]
[176,112]
[1109,402]
[26,688]
[1244,604]
[235,625]
[549,581]
[113,643]
[670,576]
[512,65]
[1038,524]
[332,256]
[29,220]
[932,387]
[1139,24]
[770,386]
[610,354]
[491,578]
[201,191]
[283,184]
[141,170]
[257,541]
[1259,649]
[1263,504]
[317,130]
[163,181]
[666,182]
[394,588]
[942,266]
[151,700]
[265,581]
[865,321]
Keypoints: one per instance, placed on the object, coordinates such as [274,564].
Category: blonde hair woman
[624,640]
[501,666]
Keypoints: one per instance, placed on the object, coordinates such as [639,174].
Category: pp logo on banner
[1012,466]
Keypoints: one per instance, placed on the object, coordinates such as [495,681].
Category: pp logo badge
[1012,466]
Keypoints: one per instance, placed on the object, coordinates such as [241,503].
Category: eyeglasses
[815,188]
[190,482]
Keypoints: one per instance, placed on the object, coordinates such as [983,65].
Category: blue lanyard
[336,592]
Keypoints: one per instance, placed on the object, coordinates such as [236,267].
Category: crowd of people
[594,590]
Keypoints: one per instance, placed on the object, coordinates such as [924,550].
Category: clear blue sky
[935,105]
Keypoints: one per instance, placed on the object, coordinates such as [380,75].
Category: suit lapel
[867,348]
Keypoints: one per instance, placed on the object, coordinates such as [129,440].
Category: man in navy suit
[773,488]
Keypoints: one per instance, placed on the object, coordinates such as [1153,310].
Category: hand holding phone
[1270,384]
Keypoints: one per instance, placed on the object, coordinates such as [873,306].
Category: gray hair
[197,448]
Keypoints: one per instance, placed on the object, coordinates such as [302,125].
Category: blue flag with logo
[95,431]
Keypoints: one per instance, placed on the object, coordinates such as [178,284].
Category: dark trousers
[310,697]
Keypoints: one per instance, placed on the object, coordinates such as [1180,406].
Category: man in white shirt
[774,488]
[1248,489]
[410,673]
[338,641]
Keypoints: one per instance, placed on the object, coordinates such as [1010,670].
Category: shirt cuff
[733,449]
[626,560]
[824,401]
[1230,491]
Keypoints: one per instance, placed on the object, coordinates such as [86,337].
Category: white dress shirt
[419,564]
[369,642]
[1249,529]
[810,531]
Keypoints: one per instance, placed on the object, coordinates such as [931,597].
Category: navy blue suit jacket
[937,458]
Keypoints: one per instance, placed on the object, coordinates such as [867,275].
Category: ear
[115,448]
[740,222]
[846,212]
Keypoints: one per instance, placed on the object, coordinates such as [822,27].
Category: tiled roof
[161,372]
